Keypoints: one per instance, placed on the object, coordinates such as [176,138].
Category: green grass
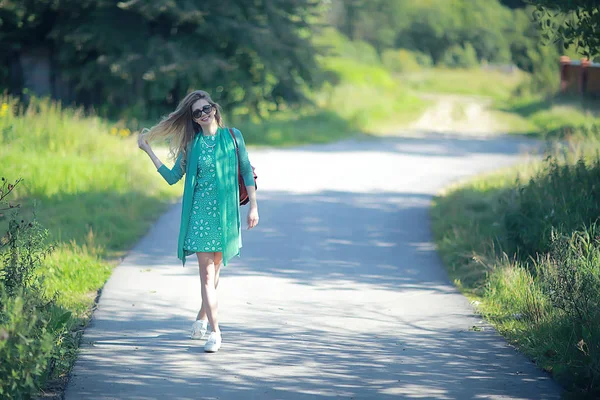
[559,117]
[288,128]
[368,97]
[474,82]
[494,234]
[364,99]
[94,191]
[552,118]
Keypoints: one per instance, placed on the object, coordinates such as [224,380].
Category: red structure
[579,77]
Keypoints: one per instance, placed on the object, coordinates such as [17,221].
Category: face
[203,112]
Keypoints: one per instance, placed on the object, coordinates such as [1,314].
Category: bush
[403,60]
[552,219]
[459,56]
[570,277]
[335,44]
[533,248]
[31,325]
[560,199]
[30,329]
[355,73]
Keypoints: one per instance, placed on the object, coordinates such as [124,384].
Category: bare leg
[209,273]
[218,260]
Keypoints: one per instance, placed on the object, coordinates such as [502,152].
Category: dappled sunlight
[338,291]
[296,361]
[343,311]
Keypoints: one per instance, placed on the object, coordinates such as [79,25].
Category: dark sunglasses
[197,113]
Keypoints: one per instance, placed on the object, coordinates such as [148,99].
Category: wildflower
[3,109]
[113,131]
[124,132]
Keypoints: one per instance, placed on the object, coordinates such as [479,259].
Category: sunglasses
[197,113]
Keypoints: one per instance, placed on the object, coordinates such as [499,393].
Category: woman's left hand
[252,217]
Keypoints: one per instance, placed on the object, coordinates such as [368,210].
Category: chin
[208,122]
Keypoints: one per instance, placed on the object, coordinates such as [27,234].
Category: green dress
[204,229]
[227,164]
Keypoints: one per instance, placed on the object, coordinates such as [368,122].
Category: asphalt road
[339,292]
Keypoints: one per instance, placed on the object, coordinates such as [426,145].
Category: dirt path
[461,115]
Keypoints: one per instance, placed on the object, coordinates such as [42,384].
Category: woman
[210,215]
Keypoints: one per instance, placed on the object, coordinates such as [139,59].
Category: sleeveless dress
[204,229]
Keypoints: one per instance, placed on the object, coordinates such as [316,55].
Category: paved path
[338,293]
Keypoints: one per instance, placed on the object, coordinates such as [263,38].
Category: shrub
[459,56]
[570,277]
[403,60]
[31,325]
[561,199]
[335,44]
[28,335]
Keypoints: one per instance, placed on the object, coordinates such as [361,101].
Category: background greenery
[288,72]
[524,245]
[135,60]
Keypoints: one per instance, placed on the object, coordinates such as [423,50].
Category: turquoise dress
[204,229]
[227,164]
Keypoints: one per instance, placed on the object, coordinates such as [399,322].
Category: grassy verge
[560,117]
[366,100]
[94,192]
[523,245]
[472,82]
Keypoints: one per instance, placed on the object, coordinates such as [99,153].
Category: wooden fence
[579,77]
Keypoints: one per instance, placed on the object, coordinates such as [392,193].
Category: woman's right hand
[143,143]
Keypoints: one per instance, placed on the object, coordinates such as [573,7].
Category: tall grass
[525,244]
[90,186]
[558,117]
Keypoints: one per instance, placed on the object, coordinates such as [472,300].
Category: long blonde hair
[179,128]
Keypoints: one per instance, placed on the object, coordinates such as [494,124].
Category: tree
[514,3]
[144,56]
[574,21]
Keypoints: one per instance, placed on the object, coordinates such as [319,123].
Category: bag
[244,199]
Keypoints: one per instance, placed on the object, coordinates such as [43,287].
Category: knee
[207,275]
[218,260]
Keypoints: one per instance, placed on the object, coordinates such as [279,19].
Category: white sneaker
[213,344]
[199,329]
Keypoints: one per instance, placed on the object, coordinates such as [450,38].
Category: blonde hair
[179,128]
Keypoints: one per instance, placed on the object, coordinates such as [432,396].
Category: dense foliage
[455,33]
[529,251]
[145,55]
[138,59]
[31,324]
[574,21]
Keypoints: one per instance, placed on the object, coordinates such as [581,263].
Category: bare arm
[154,158]
[173,175]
